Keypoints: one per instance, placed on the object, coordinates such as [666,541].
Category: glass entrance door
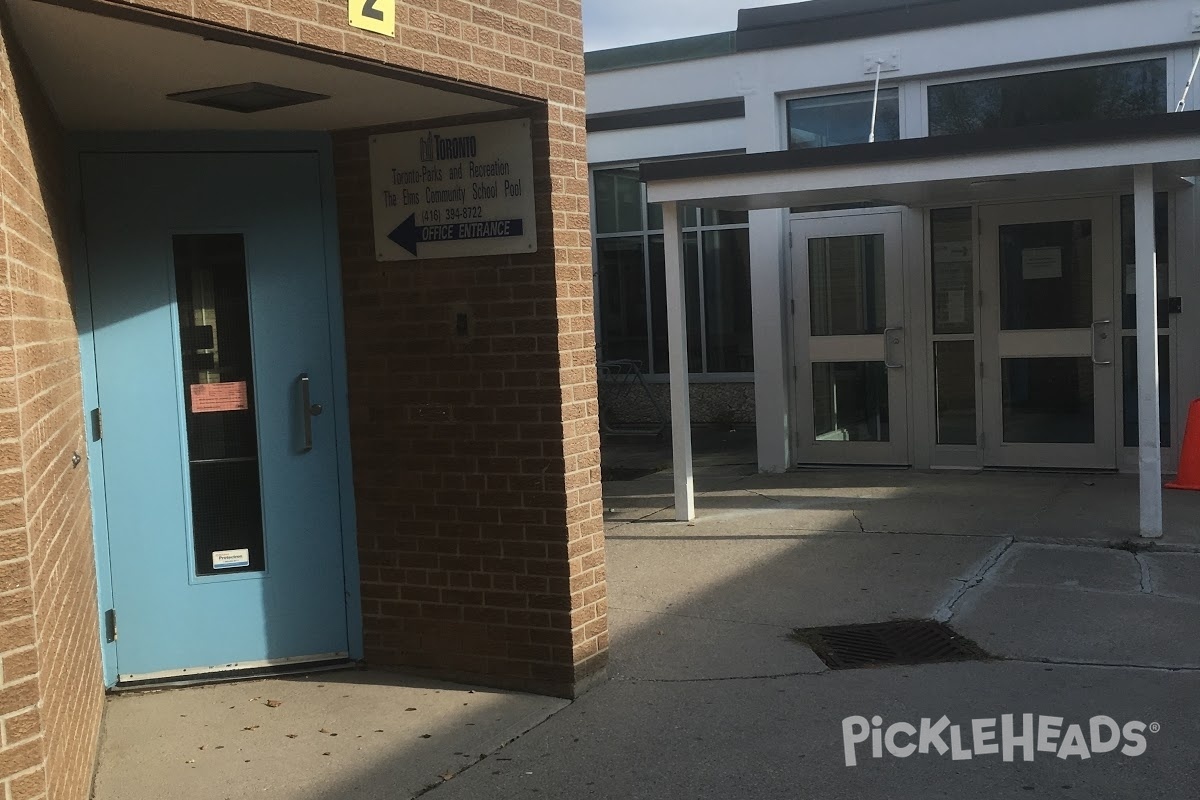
[1049,339]
[850,385]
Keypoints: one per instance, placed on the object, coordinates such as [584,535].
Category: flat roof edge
[1009,139]
[670,51]
[820,21]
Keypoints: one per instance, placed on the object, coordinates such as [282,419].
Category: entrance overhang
[1001,165]
[1135,156]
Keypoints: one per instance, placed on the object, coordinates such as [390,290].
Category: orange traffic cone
[1189,459]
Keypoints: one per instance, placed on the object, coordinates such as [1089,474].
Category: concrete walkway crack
[945,611]
[1098,665]
[774,500]
[525,729]
[861,528]
[1147,579]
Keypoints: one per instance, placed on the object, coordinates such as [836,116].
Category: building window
[1110,91]
[842,119]
[631,280]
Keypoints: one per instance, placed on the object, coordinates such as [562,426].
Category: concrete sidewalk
[1050,506]
[348,734]
[710,697]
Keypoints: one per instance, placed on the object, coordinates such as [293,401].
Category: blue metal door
[214,371]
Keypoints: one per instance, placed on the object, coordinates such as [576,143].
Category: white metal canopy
[1127,156]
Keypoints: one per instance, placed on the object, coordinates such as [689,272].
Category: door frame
[264,143]
[890,223]
[1102,453]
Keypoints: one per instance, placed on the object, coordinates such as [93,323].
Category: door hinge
[982,370]
[791,239]
[983,440]
[793,306]
[981,298]
[97,425]
[110,625]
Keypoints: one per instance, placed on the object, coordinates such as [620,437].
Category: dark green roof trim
[708,111]
[644,55]
[821,21]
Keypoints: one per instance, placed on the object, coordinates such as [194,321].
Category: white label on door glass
[1039,263]
[230,559]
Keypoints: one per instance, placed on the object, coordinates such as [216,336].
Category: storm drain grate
[888,643]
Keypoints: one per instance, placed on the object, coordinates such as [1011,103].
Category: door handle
[1096,329]
[887,343]
[308,410]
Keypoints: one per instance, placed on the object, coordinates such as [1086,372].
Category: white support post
[677,348]
[1149,444]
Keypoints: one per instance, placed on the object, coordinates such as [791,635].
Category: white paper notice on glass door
[1040,263]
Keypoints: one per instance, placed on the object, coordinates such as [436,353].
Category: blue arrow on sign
[409,234]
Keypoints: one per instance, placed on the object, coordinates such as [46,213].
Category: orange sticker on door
[210,397]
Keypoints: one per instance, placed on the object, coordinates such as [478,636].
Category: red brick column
[476,456]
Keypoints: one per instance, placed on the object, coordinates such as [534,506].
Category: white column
[771,371]
[677,347]
[1149,445]
[769,275]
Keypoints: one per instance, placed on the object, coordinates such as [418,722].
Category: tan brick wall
[477,458]
[504,535]
[50,676]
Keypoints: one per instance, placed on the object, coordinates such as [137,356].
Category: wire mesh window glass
[218,380]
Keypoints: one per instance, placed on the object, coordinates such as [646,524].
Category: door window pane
[1046,275]
[622,278]
[842,119]
[953,270]
[954,365]
[218,381]
[727,305]
[1111,91]
[850,402]
[618,201]
[1129,391]
[1162,256]
[1049,401]
[847,286]
[658,296]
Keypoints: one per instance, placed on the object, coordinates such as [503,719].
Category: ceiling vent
[247,98]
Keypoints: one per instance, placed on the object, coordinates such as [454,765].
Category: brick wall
[475,456]
[51,689]
[476,462]
[482,537]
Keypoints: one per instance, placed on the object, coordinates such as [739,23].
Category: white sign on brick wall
[454,192]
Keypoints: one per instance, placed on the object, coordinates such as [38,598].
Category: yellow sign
[377,16]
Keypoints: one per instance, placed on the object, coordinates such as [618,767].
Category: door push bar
[1096,329]
[887,342]
[308,410]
